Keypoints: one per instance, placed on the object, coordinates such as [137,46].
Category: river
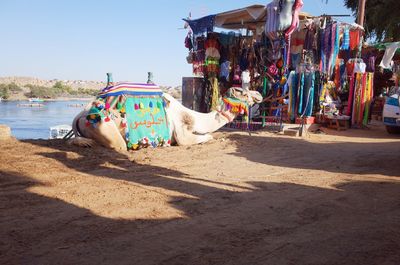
[34,122]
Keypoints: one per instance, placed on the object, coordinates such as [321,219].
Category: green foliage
[86,91]
[4,91]
[7,89]
[14,87]
[41,92]
[58,84]
[59,89]
[382,18]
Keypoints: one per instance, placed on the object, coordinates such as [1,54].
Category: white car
[391,112]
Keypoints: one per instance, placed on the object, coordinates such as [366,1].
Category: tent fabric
[239,18]
[249,17]
[201,25]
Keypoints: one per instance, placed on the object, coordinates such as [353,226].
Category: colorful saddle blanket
[141,108]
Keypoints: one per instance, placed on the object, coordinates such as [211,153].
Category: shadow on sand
[271,223]
[339,157]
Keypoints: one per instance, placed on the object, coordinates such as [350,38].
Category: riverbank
[23,98]
[328,198]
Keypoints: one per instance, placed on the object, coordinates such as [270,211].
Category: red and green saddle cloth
[142,111]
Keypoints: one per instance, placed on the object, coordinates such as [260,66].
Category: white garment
[285,16]
[213,52]
[389,53]
[360,67]
[245,76]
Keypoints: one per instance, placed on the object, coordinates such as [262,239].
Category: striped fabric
[346,39]
[135,89]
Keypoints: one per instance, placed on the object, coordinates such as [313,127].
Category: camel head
[245,95]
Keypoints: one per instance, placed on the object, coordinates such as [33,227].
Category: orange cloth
[354,39]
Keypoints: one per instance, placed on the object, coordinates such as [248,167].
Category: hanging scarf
[351,95]
[335,40]
[301,90]
[215,93]
[346,39]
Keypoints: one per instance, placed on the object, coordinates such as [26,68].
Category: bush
[13,87]
[41,92]
[58,90]
[4,91]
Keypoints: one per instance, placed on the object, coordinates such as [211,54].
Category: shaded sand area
[240,199]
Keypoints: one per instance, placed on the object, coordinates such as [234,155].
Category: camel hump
[82,142]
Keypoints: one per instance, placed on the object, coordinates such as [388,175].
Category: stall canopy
[243,18]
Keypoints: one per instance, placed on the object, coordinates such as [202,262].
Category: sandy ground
[240,199]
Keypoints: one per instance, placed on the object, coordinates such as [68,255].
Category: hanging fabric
[215,93]
[369,96]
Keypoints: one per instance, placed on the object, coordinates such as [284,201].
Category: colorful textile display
[318,48]
[134,89]
[362,98]
[301,93]
[137,109]
[147,123]
[236,106]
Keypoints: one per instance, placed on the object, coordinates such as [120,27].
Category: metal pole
[361,12]
[263,105]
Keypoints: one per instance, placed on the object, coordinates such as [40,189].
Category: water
[34,122]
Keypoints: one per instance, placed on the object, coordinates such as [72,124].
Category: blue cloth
[227,39]
[201,25]
[335,48]
[295,59]
[346,39]
[301,91]
[224,72]
[295,87]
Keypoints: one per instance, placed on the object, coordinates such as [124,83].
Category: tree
[14,87]
[59,85]
[4,91]
[382,18]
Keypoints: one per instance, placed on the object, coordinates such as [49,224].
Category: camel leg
[186,137]
[203,138]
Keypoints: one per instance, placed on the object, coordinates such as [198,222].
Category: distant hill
[23,82]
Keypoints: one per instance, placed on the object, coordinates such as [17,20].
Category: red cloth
[354,39]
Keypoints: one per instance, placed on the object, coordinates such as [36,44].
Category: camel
[186,127]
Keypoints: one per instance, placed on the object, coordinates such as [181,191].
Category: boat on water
[59,131]
[35,100]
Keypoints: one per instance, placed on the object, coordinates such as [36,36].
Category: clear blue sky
[84,39]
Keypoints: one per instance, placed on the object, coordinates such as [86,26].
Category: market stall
[308,68]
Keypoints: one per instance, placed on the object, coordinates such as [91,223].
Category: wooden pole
[361,12]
